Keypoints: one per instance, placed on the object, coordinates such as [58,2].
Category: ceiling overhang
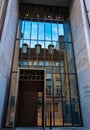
[64,3]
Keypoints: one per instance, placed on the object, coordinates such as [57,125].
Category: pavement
[47,128]
[53,128]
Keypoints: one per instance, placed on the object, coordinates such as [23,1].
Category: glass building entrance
[30,99]
[45,43]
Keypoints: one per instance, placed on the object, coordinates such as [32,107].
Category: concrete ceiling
[64,3]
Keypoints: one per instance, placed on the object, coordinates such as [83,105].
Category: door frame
[44,98]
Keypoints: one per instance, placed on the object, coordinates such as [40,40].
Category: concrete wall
[81,41]
[6,52]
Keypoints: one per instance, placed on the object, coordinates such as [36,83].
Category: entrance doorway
[30,108]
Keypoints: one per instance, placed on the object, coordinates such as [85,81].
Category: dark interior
[26,113]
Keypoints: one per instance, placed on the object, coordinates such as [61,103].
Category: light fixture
[49,16]
[27,15]
[37,15]
[25,48]
[59,17]
[38,48]
[50,48]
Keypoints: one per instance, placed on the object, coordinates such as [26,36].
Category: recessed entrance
[45,43]
[30,108]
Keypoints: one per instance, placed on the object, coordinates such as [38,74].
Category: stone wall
[6,52]
[81,42]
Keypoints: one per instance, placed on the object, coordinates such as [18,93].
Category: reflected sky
[40,32]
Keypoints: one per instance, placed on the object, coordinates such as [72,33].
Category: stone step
[47,128]
[53,128]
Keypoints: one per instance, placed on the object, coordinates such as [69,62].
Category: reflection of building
[50,67]
[57,81]
[60,43]
[25,56]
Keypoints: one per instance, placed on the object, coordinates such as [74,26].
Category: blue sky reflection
[40,31]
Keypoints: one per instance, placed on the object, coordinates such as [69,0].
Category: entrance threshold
[53,128]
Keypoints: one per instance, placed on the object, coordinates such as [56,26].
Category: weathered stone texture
[6,50]
[80,33]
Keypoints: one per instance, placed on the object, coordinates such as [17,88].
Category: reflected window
[48,90]
[41,31]
[47,63]
[58,90]
[48,31]
[34,30]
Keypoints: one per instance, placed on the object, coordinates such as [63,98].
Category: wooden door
[30,100]
[27,109]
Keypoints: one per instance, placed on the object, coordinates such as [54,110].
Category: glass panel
[66,100]
[24,64]
[20,43]
[57,100]
[60,53]
[49,52]
[48,31]
[47,63]
[70,58]
[58,112]
[60,28]
[41,53]
[39,118]
[48,70]
[57,85]
[22,27]
[67,32]
[49,84]
[74,100]
[56,70]
[48,111]
[56,54]
[67,115]
[24,53]
[54,32]
[33,54]
[27,30]
[49,99]
[41,31]
[34,30]
[64,57]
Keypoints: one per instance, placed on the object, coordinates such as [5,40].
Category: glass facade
[45,42]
